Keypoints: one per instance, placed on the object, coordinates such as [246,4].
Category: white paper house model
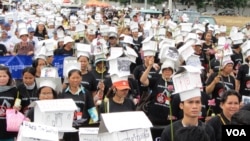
[122,126]
[56,113]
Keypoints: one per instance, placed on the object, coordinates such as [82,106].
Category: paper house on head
[126,128]
[186,50]
[49,72]
[185,95]
[120,66]
[70,63]
[56,113]
[194,60]
[187,78]
[31,131]
[237,38]
[88,134]
[245,46]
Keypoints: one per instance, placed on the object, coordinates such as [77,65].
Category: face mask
[31,86]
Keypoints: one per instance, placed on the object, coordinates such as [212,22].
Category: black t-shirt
[244,77]
[3,50]
[7,99]
[138,71]
[89,82]
[226,83]
[158,109]
[83,100]
[62,51]
[27,96]
[237,58]
[127,105]
[166,134]
[206,47]
[216,123]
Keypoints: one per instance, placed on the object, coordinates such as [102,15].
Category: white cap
[186,95]
[23,31]
[226,60]
[67,39]
[54,83]
[167,64]
[83,50]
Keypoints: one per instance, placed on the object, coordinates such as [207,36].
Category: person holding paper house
[86,112]
[191,106]
[28,88]
[47,89]
[219,82]
[230,104]
[8,95]
[161,87]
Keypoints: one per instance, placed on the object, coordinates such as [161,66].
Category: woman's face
[4,78]
[167,73]
[122,93]
[231,105]
[228,68]
[75,79]
[84,62]
[28,78]
[41,63]
[46,93]
[40,27]
[24,38]
[208,37]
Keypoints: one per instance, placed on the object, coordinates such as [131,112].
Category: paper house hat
[186,95]
[186,27]
[52,82]
[91,29]
[49,72]
[245,46]
[120,83]
[167,64]
[187,78]
[226,60]
[70,63]
[168,52]
[104,30]
[191,36]
[134,26]
[187,50]
[194,60]
[223,29]
[83,50]
[131,54]
[128,39]
[149,46]
[237,38]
